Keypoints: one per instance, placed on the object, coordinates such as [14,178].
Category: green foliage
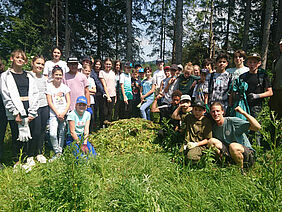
[140,180]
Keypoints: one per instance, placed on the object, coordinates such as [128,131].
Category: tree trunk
[230,13]
[247,18]
[211,44]
[178,31]
[67,32]
[266,31]
[162,30]
[129,55]
[278,34]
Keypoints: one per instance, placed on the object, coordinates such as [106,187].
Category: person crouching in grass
[229,136]
[78,128]
[198,131]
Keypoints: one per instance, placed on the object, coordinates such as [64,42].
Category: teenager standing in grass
[40,122]
[118,72]
[20,96]
[147,93]
[126,94]
[58,96]
[78,127]
[3,117]
[108,79]
[92,91]
[100,92]
[56,55]
[229,136]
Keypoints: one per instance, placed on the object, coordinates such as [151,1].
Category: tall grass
[143,180]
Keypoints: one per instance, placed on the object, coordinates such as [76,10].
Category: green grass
[132,174]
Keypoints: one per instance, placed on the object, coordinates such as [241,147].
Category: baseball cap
[185,97]
[141,70]
[254,55]
[166,67]
[204,71]
[72,60]
[280,41]
[159,61]
[199,104]
[180,67]
[81,99]
[128,64]
[174,67]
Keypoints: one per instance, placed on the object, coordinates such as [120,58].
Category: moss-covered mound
[127,136]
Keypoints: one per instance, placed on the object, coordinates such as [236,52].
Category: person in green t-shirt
[229,135]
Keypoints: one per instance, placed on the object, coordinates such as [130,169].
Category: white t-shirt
[158,77]
[167,96]
[91,86]
[236,72]
[58,97]
[49,65]
[110,79]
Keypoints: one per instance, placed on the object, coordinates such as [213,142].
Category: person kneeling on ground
[229,136]
[78,128]
[197,132]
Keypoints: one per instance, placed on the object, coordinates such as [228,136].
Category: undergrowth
[135,171]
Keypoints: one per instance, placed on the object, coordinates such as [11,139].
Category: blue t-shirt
[146,87]
[125,79]
[233,130]
[80,121]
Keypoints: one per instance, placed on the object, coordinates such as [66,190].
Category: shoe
[29,164]
[55,157]
[41,159]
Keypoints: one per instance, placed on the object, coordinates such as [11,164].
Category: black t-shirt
[22,83]
[166,112]
[257,83]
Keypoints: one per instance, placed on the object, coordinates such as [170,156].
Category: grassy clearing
[137,175]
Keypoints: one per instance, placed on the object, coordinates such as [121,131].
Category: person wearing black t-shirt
[259,86]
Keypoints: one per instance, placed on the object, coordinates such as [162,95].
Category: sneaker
[56,156]
[29,164]
[41,159]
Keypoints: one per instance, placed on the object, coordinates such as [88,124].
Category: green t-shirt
[80,121]
[184,84]
[197,130]
[125,79]
[233,130]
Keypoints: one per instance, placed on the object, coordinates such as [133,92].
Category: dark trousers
[17,146]
[3,126]
[92,120]
[126,109]
[98,109]
[135,109]
[37,130]
[108,109]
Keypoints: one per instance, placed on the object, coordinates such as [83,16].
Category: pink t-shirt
[110,79]
[77,84]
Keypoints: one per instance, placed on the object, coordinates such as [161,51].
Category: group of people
[74,98]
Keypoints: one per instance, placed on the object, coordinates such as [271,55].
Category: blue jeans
[57,134]
[69,142]
[145,109]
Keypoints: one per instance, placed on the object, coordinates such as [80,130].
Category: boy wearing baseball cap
[259,86]
[198,130]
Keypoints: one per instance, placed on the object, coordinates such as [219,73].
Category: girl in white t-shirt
[58,97]
[50,64]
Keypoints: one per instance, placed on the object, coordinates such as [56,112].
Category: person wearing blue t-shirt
[78,128]
[229,135]
[147,93]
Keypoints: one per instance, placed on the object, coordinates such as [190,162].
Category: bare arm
[86,131]
[87,95]
[267,93]
[155,108]
[106,89]
[123,93]
[254,125]
[206,98]
[72,131]
[175,115]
